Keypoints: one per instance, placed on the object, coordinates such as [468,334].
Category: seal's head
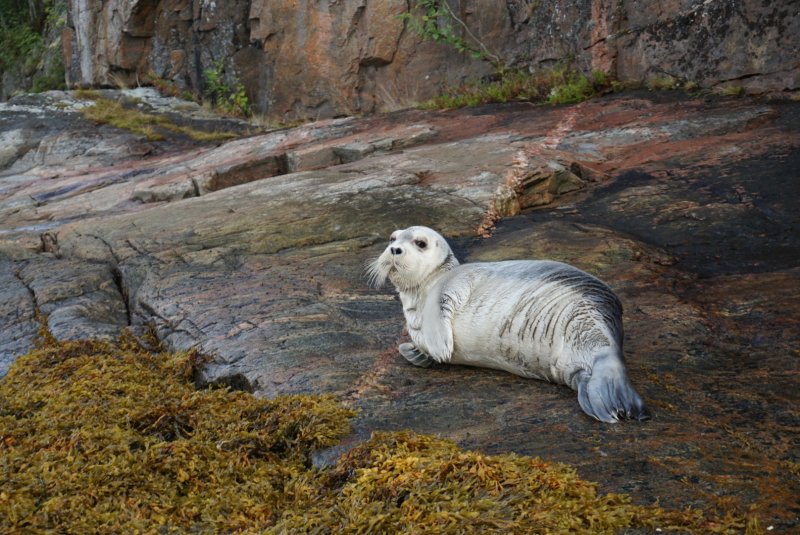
[412,258]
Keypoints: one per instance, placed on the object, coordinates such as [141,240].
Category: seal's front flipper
[606,394]
[415,356]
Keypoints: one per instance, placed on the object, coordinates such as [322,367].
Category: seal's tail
[606,394]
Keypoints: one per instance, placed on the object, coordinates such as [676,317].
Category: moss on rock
[150,125]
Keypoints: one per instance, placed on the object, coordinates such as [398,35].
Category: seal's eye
[391,239]
[421,243]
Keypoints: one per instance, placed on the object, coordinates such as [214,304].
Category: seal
[535,318]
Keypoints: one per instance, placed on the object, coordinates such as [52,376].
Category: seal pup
[535,318]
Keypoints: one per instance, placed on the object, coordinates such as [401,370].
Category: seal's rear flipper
[606,394]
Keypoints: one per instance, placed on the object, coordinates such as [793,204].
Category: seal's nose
[396,250]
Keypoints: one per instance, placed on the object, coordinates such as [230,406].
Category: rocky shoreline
[252,251]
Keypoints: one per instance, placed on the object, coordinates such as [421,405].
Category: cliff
[304,59]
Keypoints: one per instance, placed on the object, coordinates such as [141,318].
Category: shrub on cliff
[435,20]
[20,29]
[30,55]
[229,98]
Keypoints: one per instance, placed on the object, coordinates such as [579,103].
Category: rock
[720,36]
[317,146]
[18,321]
[351,152]
[79,299]
[67,167]
[13,144]
[314,157]
[686,207]
[413,135]
[309,60]
[542,184]
[395,140]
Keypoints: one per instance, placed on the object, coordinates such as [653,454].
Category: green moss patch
[110,438]
[151,126]
[556,86]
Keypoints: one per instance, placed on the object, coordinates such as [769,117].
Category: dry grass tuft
[151,126]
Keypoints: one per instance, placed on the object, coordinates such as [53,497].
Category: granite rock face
[323,59]
[253,252]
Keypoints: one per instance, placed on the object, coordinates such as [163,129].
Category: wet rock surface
[687,207]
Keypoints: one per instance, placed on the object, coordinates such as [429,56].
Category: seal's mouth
[394,271]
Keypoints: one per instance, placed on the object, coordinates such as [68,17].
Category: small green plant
[625,85]
[732,91]
[601,78]
[86,94]
[557,86]
[229,99]
[571,86]
[669,82]
[434,20]
[24,52]
[663,83]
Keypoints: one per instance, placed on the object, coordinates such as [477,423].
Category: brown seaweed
[98,437]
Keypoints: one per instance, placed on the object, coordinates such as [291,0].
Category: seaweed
[101,437]
[403,482]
